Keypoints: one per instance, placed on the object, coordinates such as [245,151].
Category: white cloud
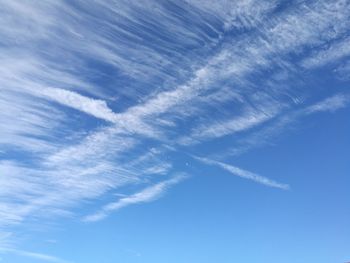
[34,255]
[95,107]
[148,194]
[247,120]
[245,174]
[284,123]
[333,53]
[169,87]
[331,104]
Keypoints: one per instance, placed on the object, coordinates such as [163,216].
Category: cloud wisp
[92,94]
[34,255]
[245,174]
[330,104]
[146,195]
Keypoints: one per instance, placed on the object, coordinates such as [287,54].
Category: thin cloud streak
[245,174]
[330,104]
[95,107]
[191,83]
[34,255]
[335,52]
[265,135]
[148,194]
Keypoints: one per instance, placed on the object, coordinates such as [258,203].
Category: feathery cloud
[330,104]
[156,78]
[245,174]
[146,195]
[34,255]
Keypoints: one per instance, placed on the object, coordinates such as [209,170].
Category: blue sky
[174,131]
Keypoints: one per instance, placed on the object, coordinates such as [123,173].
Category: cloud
[97,108]
[249,118]
[333,53]
[245,174]
[180,74]
[330,104]
[94,107]
[148,194]
[34,255]
[283,124]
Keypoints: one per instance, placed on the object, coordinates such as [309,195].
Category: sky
[174,131]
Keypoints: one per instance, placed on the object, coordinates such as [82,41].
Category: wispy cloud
[251,117]
[146,195]
[330,104]
[34,255]
[95,107]
[245,174]
[155,77]
[335,52]
[283,124]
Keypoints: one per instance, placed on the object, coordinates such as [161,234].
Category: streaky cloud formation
[96,108]
[34,255]
[331,104]
[245,174]
[146,195]
[97,97]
